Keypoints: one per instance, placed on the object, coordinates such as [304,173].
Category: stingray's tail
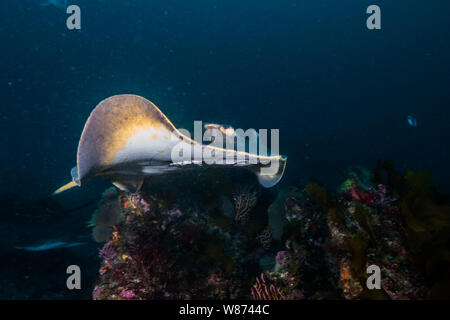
[269,176]
[65,187]
[74,183]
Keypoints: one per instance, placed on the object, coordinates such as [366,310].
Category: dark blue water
[339,93]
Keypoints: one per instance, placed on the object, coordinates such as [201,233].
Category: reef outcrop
[305,243]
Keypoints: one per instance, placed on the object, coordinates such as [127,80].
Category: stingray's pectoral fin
[271,174]
[129,185]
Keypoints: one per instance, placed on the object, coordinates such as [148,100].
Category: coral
[137,203]
[265,238]
[96,295]
[302,204]
[369,229]
[362,177]
[102,234]
[108,252]
[110,194]
[226,206]
[282,261]
[318,193]
[426,224]
[245,199]
[265,290]
[127,294]
[158,253]
[281,258]
[351,287]
[106,216]
[302,267]
[364,225]
[108,212]
[309,244]
[174,214]
[276,212]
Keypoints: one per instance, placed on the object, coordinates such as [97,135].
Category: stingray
[127,139]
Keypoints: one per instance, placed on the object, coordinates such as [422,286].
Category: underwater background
[340,94]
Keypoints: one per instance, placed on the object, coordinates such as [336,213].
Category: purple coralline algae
[189,250]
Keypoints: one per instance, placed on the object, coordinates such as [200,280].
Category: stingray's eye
[227,130]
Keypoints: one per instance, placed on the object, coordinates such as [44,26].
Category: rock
[277,214]
[226,206]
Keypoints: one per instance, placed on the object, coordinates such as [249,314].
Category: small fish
[412,121]
[50,246]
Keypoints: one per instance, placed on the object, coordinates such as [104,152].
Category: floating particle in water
[412,121]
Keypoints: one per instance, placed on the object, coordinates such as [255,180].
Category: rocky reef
[304,242]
